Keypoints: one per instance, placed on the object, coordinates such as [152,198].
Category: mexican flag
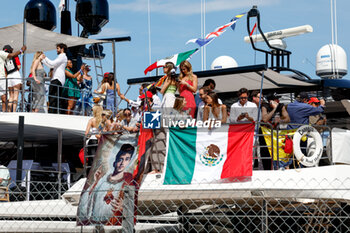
[199,155]
[176,59]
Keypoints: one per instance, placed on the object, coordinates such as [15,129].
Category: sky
[173,23]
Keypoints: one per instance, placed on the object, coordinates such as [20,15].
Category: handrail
[29,96]
[256,147]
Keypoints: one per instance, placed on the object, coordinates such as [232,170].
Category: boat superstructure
[313,199]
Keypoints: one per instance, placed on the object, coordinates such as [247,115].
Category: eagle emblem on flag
[211,155]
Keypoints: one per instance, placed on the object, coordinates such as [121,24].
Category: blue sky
[175,22]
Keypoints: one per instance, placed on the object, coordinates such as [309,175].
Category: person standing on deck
[187,86]
[58,77]
[299,111]
[3,56]
[14,79]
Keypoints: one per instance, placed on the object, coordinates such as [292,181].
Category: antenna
[277,51]
[280,34]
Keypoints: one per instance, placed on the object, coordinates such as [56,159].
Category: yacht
[45,197]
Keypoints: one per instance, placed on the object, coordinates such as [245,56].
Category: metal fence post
[128,209]
[59,161]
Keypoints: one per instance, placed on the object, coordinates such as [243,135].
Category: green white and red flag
[196,155]
[176,59]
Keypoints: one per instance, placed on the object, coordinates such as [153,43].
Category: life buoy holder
[314,158]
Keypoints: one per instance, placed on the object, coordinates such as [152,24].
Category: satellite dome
[92,15]
[41,13]
[331,62]
[223,62]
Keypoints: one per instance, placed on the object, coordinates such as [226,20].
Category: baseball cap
[105,75]
[273,96]
[149,95]
[303,95]
[7,48]
[87,67]
[313,100]
[134,104]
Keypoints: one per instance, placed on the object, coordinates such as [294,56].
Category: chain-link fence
[282,201]
[314,199]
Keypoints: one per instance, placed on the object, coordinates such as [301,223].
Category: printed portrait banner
[113,168]
[205,156]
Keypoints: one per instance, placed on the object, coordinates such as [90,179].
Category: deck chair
[65,169]
[4,192]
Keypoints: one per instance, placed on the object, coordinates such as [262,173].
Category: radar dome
[223,62]
[331,62]
[92,15]
[41,13]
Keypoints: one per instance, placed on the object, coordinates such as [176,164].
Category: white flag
[61,6]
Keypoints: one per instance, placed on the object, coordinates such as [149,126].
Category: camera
[174,76]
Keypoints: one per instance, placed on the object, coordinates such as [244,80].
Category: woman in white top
[213,110]
[93,129]
[169,87]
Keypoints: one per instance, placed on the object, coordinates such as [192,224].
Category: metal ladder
[98,63]
[88,158]
[157,152]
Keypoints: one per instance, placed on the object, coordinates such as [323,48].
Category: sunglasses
[128,114]
[243,98]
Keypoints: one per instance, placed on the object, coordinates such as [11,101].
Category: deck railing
[26,96]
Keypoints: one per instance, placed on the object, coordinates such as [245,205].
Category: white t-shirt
[59,66]
[237,109]
[3,57]
[156,102]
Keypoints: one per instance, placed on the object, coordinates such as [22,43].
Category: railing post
[59,161]
[23,64]
[82,102]
[20,145]
[85,157]
[128,209]
[278,148]
[28,176]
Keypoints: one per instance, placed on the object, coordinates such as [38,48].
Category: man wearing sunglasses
[243,110]
[129,124]
[319,119]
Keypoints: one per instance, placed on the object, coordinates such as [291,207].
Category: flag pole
[149,34]
[205,47]
[115,109]
[23,64]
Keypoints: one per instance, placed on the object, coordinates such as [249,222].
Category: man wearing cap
[318,119]
[14,79]
[274,112]
[135,109]
[144,106]
[299,111]
[58,77]
[3,56]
